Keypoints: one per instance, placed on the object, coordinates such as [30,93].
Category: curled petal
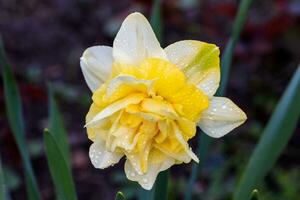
[115,107]
[96,65]
[147,180]
[100,157]
[199,61]
[136,41]
[123,85]
[185,145]
[221,117]
[158,107]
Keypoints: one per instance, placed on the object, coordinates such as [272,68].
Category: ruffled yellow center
[147,113]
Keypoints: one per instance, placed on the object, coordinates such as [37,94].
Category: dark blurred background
[44,40]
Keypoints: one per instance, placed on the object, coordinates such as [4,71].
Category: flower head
[148,101]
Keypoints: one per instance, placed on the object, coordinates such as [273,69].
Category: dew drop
[132,174]
[145,180]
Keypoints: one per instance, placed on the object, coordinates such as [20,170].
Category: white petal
[221,117]
[147,180]
[127,80]
[199,61]
[100,157]
[210,83]
[136,41]
[96,63]
[185,145]
[115,107]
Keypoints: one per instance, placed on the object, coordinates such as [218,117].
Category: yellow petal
[158,107]
[164,129]
[173,149]
[120,87]
[221,117]
[199,61]
[185,145]
[193,101]
[101,128]
[168,78]
[130,120]
[124,138]
[136,110]
[188,128]
[114,107]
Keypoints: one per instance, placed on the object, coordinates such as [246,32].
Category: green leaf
[274,139]
[229,50]
[161,185]
[159,190]
[146,194]
[204,141]
[60,172]
[57,127]
[12,179]
[15,117]
[254,195]
[2,186]
[156,19]
[120,196]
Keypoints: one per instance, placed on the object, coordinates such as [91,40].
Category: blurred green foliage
[276,135]
[218,181]
[60,170]
[15,117]
[120,196]
[2,186]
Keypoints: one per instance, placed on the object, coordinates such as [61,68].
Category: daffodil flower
[148,101]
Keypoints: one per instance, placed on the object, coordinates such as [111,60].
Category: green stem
[2,183]
[204,140]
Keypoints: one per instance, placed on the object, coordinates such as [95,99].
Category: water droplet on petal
[145,180]
[132,174]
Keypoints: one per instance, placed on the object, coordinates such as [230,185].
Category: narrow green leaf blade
[120,196]
[15,117]
[57,127]
[2,186]
[59,169]
[156,19]
[204,141]
[161,187]
[226,60]
[274,139]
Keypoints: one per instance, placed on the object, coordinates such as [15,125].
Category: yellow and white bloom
[147,101]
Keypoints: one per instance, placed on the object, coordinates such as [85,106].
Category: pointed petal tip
[136,14]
